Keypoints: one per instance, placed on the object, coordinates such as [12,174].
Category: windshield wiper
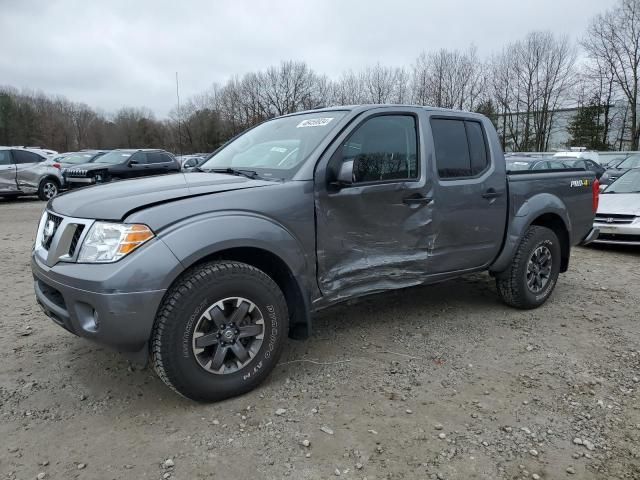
[235,171]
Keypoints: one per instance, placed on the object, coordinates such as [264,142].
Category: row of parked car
[30,170]
[607,169]
[35,171]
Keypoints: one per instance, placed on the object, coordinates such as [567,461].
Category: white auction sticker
[314,122]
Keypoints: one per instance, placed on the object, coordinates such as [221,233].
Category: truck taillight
[595,188]
[57,165]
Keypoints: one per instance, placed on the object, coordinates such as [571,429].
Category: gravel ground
[431,382]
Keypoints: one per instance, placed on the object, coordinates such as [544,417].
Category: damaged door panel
[7,173]
[28,174]
[375,229]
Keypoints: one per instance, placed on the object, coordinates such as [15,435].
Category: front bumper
[625,234]
[591,236]
[105,302]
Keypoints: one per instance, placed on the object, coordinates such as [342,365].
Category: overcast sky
[112,53]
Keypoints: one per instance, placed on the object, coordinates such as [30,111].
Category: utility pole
[179,114]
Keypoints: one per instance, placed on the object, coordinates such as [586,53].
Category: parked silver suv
[23,172]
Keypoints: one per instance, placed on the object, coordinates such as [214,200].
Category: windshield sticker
[279,149]
[126,154]
[314,122]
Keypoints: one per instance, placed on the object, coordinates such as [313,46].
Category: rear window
[461,148]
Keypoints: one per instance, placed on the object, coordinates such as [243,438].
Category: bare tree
[531,80]
[613,40]
[447,78]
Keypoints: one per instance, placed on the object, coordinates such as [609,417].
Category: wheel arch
[253,239]
[276,268]
[545,210]
[554,222]
[49,176]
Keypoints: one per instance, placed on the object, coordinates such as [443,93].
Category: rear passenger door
[27,172]
[7,172]
[470,199]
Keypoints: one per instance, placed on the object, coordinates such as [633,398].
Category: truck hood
[114,201]
[619,203]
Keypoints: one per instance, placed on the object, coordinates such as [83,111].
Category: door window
[139,157]
[383,148]
[22,157]
[460,146]
[5,157]
[155,157]
[166,158]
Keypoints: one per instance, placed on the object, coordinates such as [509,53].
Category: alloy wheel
[228,335]
[539,269]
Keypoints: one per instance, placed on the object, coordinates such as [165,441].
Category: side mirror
[345,176]
[133,162]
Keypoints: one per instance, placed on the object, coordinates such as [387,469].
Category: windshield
[78,158]
[632,162]
[276,148]
[114,157]
[627,183]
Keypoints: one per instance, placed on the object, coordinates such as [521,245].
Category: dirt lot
[432,382]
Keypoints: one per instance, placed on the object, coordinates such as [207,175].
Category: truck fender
[247,237]
[544,209]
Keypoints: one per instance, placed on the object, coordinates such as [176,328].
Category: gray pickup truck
[207,273]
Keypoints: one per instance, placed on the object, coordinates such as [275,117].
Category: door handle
[491,193]
[416,199]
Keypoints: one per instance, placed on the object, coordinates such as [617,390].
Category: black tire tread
[190,279]
[508,282]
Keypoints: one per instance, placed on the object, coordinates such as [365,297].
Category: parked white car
[584,154]
[618,216]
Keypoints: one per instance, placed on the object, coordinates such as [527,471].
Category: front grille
[614,237]
[614,218]
[46,239]
[74,240]
[75,172]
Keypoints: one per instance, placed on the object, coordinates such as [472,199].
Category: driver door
[374,233]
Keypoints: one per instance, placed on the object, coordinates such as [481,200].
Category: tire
[514,285]
[205,292]
[48,189]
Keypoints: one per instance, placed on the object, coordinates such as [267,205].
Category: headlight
[108,242]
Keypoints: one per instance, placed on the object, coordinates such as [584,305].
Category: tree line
[521,88]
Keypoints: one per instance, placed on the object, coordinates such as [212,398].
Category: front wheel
[219,331]
[533,273]
[48,189]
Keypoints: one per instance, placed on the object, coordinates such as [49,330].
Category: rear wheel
[533,273]
[219,331]
[48,189]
